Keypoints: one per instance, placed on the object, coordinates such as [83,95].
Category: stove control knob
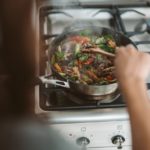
[118,140]
[83,142]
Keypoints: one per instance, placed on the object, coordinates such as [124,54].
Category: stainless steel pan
[91,90]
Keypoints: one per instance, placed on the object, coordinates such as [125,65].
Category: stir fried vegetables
[86,68]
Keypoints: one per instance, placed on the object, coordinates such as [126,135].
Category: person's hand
[131,64]
[132,68]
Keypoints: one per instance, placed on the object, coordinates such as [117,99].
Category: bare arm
[139,110]
[132,68]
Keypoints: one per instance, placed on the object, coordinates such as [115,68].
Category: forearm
[135,94]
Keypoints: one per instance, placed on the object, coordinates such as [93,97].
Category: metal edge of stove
[67,108]
[93,115]
[49,4]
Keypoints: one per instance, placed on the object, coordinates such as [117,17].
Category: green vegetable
[59,48]
[78,55]
[107,48]
[59,54]
[77,48]
[84,57]
[108,37]
[98,58]
[71,64]
[73,78]
[103,82]
[100,40]
[62,74]
[87,67]
[86,79]
[53,59]
[93,39]
[85,32]
[114,80]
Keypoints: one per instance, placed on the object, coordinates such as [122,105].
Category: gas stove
[131,20]
[91,124]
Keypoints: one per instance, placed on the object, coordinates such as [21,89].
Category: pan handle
[54,82]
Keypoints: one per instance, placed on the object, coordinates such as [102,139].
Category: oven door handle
[60,83]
